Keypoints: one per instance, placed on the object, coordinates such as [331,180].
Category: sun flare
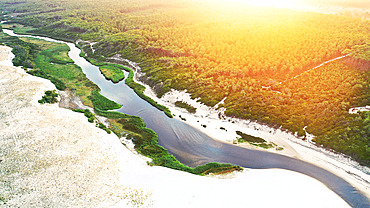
[272,3]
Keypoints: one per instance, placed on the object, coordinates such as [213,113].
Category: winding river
[193,147]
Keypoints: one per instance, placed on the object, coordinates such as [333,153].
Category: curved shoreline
[69,43]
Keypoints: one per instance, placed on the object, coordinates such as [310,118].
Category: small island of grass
[112,72]
[256,141]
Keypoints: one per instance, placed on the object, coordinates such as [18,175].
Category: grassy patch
[256,141]
[112,72]
[18,28]
[188,107]
[101,102]
[53,63]
[58,54]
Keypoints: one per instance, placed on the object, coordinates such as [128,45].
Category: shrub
[49,97]
[250,138]
[188,107]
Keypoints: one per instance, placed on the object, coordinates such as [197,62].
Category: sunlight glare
[272,3]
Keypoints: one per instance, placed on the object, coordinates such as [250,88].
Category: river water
[193,147]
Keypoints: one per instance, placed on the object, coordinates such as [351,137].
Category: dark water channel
[192,147]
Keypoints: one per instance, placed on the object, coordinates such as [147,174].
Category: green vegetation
[320,100]
[79,110]
[58,84]
[279,148]
[263,145]
[58,55]
[105,128]
[188,107]
[49,97]
[101,102]
[24,52]
[216,50]
[112,72]
[360,51]
[360,57]
[256,141]
[91,118]
[138,88]
[182,118]
[351,137]
[51,61]
[249,138]
[18,28]
[146,143]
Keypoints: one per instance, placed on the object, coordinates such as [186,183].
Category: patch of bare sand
[52,157]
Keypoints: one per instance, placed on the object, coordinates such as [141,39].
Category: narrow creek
[193,147]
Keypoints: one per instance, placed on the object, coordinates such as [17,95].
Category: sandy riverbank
[341,165]
[52,157]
